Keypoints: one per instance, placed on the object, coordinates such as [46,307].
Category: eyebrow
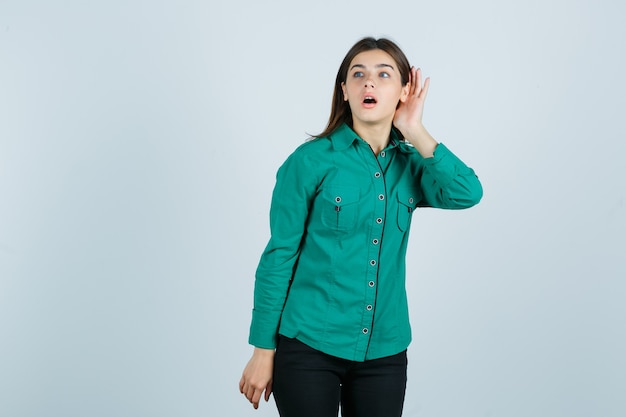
[377,66]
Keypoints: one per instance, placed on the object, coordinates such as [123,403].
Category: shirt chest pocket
[407,202]
[340,207]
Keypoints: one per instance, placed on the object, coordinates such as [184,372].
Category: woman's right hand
[257,376]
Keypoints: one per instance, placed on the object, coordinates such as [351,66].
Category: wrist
[263,352]
[421,140]
[413,131]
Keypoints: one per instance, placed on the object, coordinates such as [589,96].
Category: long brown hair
[340,111]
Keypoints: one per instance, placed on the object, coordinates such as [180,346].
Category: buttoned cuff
[264,329]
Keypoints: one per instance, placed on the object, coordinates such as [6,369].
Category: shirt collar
[344,136]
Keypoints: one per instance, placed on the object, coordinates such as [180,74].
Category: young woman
[330,323]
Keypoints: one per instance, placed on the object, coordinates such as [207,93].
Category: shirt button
[371,283]
[377,175]
[338,199]
[365,330]
[379,220]
[381,197]
[411,200]
[375,241]
[372,262]
[382,154]
[369,307]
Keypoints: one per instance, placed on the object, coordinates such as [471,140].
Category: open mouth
[369,100]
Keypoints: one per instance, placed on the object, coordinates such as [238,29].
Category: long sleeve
[296,185]
[448,183]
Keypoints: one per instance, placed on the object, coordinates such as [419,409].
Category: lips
[369,101]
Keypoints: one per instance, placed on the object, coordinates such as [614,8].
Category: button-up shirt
[333,272]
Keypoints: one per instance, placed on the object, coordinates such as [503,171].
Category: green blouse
[333,272]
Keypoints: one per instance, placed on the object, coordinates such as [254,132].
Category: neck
[376,135]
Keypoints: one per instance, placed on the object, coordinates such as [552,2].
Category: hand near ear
[409,112]
[408,117]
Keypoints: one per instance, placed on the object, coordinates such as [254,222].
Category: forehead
[373,58]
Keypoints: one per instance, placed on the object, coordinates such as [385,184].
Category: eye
[357,74]
[384,74]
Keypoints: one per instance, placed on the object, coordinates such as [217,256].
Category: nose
[369,83]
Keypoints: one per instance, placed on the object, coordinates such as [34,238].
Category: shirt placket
[376,167]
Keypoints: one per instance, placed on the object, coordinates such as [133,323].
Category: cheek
[399,95]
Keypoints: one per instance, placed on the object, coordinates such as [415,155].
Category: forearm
[270,291]
[421,140]
[447,182]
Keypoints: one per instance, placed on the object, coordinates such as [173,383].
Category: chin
[374,120]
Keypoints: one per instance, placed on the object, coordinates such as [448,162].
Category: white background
[138,146]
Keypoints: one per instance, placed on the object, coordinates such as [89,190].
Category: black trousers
[309,383]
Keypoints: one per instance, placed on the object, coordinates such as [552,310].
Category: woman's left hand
[408,115]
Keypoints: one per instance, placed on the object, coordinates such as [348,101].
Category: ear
[404,94]
[345,91]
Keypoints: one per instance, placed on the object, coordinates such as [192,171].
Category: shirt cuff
[444,165]
[264,329]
